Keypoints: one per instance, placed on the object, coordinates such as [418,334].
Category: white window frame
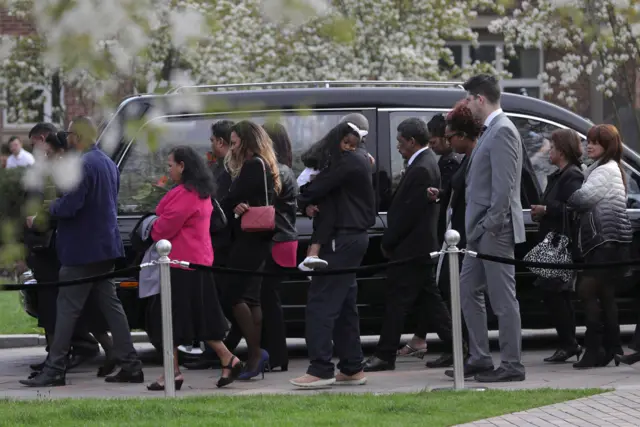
[504,83]
[47,107]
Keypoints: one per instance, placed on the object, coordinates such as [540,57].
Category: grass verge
[13,319]
[427,409]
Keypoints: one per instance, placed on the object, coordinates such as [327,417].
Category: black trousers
[405,283]
[332,320]
[562,315]
[444,284]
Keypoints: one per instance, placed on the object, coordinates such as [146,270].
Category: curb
[35,340]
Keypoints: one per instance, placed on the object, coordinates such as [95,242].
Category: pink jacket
[184,220]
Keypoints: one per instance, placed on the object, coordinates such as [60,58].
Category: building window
[35,100]
[525,66]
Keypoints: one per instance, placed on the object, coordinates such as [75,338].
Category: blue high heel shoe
[263,365]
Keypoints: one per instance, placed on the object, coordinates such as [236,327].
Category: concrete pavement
[409,376]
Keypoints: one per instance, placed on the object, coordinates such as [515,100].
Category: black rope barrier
[294,272]
[74,282]
[554,266]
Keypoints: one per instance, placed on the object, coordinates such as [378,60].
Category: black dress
[250,249]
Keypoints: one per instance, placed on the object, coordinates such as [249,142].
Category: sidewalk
[618,408]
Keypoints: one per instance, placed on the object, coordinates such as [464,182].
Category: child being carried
[316,159]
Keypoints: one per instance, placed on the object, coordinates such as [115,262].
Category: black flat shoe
[156,386]
[274,368]
[236,370]
[444,361]
[136,377]
[561,355]
[375,364]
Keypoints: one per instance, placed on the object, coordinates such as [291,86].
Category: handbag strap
[266,191]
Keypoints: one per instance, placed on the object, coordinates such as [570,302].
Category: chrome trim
[325,83]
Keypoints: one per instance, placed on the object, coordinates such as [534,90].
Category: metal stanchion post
[452,238]
[163,247]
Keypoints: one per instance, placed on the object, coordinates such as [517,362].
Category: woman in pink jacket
[184,216]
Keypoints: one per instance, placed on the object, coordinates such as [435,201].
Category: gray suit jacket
[493,182]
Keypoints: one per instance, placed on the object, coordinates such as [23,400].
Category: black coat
[412,220]
[455,194]
[286,206]
[448,165]
[560,186]
[222,238]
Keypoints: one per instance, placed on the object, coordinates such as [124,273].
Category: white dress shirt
[23,159]
[492,116]
[416,154]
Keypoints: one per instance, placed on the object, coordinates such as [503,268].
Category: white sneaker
[313,262]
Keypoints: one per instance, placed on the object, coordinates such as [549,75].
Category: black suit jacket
[560,186]
[412,220]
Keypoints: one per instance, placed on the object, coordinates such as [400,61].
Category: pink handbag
[260,218]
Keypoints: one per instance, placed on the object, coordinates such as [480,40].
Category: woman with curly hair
[254,170]
[461,134]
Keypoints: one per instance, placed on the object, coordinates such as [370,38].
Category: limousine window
[535,135]
[144,169]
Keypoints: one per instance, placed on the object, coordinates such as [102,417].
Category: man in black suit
[412,224]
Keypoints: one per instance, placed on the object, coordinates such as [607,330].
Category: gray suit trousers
[498,280]
[71,302]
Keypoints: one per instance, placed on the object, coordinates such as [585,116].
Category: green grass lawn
[423,409]
[13,319]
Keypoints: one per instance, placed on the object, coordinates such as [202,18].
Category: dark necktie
[484,129]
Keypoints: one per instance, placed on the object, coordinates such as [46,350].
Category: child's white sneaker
[313,262]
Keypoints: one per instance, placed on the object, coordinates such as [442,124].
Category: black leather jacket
[602,208]
[286,206]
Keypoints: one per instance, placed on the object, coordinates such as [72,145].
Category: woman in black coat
[565,154]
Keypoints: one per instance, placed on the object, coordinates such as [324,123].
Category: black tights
[249,320]
[561,311]
[601,313]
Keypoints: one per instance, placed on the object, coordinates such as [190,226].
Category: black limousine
[308,110]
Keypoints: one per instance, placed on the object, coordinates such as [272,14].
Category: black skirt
[249,252]
[608,252]
[196,311]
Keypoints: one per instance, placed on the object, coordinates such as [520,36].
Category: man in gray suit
[494,225]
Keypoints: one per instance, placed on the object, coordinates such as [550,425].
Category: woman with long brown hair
[565,153]
[604,235]
[253,166]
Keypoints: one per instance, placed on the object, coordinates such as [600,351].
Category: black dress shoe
[45,379]
[76,360]
[562,355]
[135,377]
[37,366]
[470,370]
[375,364]
[108,368]
[202,363]
[444,361]
[500,375]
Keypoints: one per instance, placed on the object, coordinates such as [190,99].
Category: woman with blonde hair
[253,166]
